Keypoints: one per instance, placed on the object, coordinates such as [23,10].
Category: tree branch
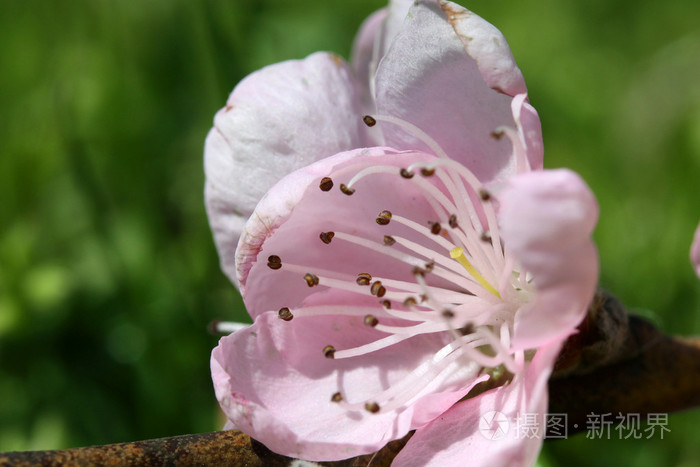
[616,363]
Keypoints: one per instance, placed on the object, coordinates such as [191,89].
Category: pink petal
[695,252]
[547,219]
[455,438]
[270,127]
[458,94]
[364,57]
[274,383]
[290,217]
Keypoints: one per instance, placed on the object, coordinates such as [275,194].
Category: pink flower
[390,269]
[695,252]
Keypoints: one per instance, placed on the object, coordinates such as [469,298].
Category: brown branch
[615,364]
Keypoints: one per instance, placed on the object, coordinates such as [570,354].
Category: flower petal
[462,434]
[695,252]
[451,74]
[290,217]
[274,383]
[547,219]
[365,57]
[270,127]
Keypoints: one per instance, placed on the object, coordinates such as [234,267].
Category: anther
[452,221]
[448,314]
[311,279]
[418,271]
[389,240]
[285,314]
[466,329]
[497,134]
[371,321]
[346,190]
[274,262]
[406,173]
[426,172]
[377,289]
[484,195]
[386,304]
[326,237]
[363,278]
[326,184]
[337,397]
[369,120]
[383,217]
[435,228]
[429,266]
[410,301]
[485,237]
[329,351]
[372,407]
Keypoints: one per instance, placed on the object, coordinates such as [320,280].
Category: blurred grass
[108,274]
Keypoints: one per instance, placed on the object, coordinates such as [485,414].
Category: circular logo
[493,425]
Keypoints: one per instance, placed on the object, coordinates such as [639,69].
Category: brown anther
[452,221]
[466,329]
[326,184]
[371,321]
[386,304]
[435,228]
[423,298]
[405,173]
[410,301]
[377,289]
[369,120]
[497,134]
[336,397]
[326,237]
[485,237]
[383,217]
[329,351]
[346,190]
[274,262]
[389,240]
[427,172]
[213,327]
[484,195]
[363,278]
[448,314]
[372,407]
[429,266]
[285,314]
[311,279]
[418,271]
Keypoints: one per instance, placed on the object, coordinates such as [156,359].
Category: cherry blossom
[394,263]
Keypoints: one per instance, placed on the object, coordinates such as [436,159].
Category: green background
[109,276]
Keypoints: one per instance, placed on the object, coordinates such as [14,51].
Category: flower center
[463,283]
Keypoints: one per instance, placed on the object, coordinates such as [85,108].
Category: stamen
[372,407]
[311,279]
[274,262]
[406,174]
[386,304]
[346,190]
[285,314]
[383,218]
[458,254]
[329,351]
[435,228]
[377,289]
[427,171]
[452,222]
[369,120]
[389,240]
[326,184]
[371,321]
[336,397]
[484,194]
[225,327]
[414,131]
[326,237]
[363,278]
